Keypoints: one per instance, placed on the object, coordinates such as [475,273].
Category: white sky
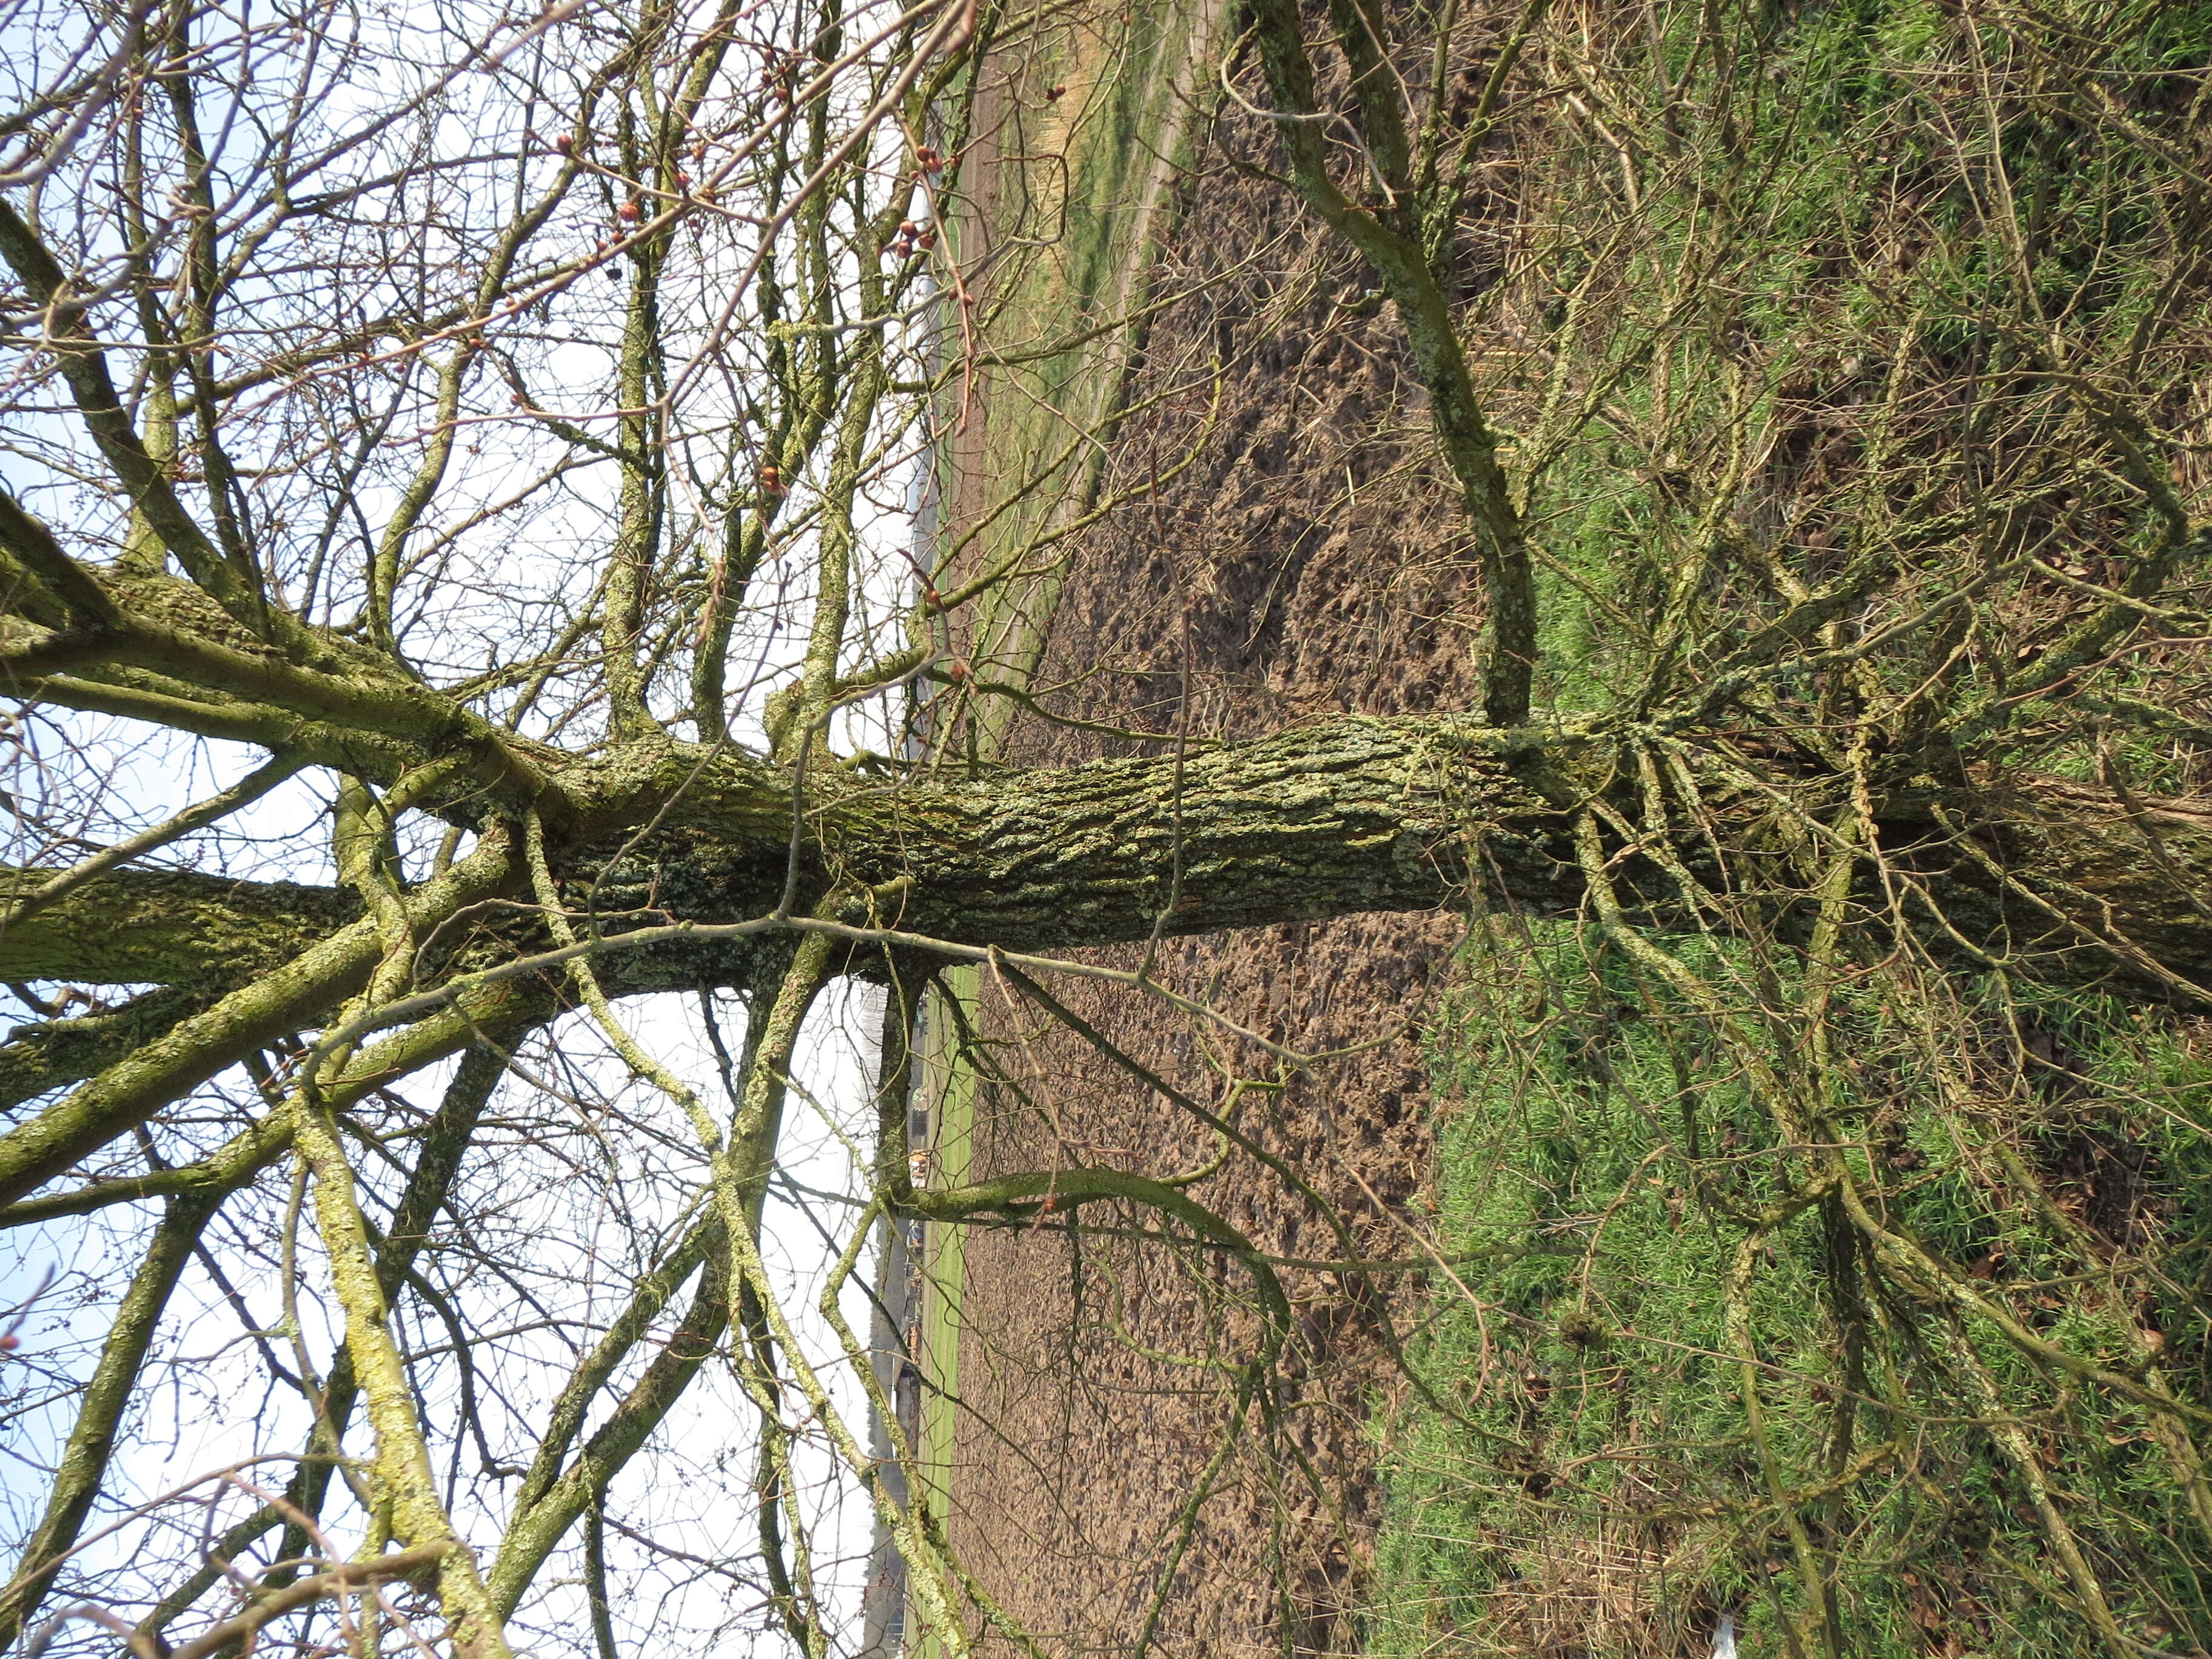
[102,778]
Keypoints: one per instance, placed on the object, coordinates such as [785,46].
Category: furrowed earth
[1309,561]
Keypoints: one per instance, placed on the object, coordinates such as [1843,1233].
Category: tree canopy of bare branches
[479,690]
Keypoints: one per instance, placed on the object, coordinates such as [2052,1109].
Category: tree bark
[2055,878]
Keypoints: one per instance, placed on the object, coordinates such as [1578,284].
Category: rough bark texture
[1345,816]
[165,928]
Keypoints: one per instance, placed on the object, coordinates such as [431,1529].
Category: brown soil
[1310,560]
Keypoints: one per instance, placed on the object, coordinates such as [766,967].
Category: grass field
[952,1102]
[1588,1473]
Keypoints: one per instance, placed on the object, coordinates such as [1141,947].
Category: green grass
[1584,1477]
[950,1090]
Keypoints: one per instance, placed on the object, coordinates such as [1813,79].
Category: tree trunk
[2055,879]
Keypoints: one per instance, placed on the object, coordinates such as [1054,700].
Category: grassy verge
[1092,125]
[952,1088]
[1604,1464]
